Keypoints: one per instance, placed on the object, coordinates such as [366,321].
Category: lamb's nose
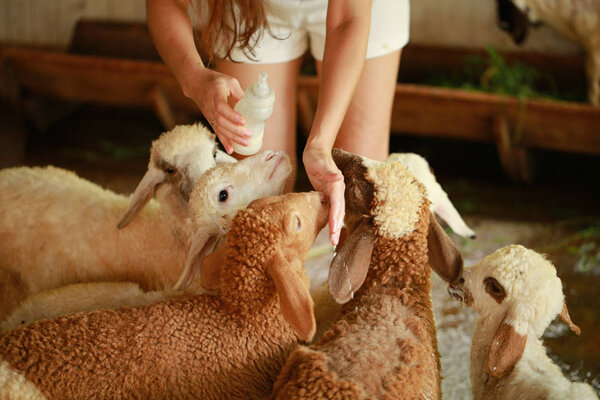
[270,155]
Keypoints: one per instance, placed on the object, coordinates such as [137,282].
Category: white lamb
[57,228]
[220,193]
[517,294]
[177,159]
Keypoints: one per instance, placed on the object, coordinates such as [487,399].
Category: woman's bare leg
[366,127]
[280,129]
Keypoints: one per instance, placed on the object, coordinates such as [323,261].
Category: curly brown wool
[383,345]
[202,347]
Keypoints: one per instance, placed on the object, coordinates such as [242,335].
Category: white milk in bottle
[256,106]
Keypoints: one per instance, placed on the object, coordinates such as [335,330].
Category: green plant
[589,256]
[493,74]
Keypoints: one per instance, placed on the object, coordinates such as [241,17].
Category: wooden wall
[50,22]
[469,23]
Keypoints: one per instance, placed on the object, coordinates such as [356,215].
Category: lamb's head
[223,191]
[440,203]
[512,18]
[518,288]
[177,160]
[383,200]
[265,252]
[266,248]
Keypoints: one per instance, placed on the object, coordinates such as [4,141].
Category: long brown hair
[230,24]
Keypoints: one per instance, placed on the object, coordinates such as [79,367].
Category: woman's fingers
[335,191]
[226,143]
[237,133]
[226,111]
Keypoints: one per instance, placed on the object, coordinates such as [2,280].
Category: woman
[356,45]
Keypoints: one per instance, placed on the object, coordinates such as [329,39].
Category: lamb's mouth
[457,293]
[280,160]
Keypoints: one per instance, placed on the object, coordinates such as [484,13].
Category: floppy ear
[222,157]
[349,267]
[444,257]
[202,245]
[211,267]
[564,315]
[142,195]
[294,298]
[505,351]
[446,211]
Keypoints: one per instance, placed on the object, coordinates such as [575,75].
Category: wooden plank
[430,111]
[546,124]
[94,79]
[418,110]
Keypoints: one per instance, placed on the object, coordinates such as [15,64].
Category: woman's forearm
[173,36]
[348,24]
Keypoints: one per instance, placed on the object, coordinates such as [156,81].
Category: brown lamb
[226,346]
[383,344]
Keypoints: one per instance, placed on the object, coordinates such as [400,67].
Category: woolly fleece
[384,344]
[230,346]
[46,241]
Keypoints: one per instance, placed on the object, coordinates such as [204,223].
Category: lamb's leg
[12,291]
[592,68]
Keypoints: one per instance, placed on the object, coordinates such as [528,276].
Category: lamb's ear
[444,257]
[506,349]
[202,245]
[351,263]
[142,195]
[222,157]
[446,211]
[564,315]
[210,276]
[294,298]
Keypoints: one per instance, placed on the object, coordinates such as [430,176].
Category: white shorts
[298,23]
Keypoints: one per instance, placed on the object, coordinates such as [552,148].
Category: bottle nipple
[261,87]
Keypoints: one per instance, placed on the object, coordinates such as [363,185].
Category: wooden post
[513,157]
[162,108]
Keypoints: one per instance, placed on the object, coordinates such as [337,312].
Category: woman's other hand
[325,177]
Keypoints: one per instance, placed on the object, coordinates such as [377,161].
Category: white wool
[533,299]
[524,274]
[189,146]
[243,186]
[393,214]
[14,385]
[81,297]
[440,203]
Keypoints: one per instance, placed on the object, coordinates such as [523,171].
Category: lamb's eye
[298,223]
[494,289]
[215,152]
[170,171]
[223,195]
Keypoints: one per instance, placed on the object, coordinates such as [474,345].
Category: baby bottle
[256,106]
